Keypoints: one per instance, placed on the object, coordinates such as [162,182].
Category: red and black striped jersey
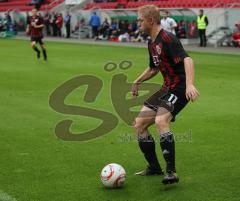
[36,32]
[167,54]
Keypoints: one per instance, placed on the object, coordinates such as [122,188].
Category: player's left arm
[191,91]
[178,54]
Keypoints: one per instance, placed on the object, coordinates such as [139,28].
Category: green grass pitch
[35,165]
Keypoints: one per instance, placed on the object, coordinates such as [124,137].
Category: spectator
[114,25]
[236,35]
[132,28]
[28,18]
[95,24]
[140,37]
[124,37]
[47,22]
[202,22]
[67,21]
[80,24]
[181,33]
[8,18]
[53,23]
[122,27]
[192,29]
[105,28]
[1,25]
[59,23]
[168,23]
[113,32]
[20,25]
[8,22]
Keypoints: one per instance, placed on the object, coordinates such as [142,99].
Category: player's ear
[151,20]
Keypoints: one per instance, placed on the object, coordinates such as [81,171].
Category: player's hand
[134,89]
[191,93]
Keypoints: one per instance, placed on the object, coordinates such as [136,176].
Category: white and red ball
[113,175]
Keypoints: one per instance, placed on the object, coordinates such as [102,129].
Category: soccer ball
[113,175]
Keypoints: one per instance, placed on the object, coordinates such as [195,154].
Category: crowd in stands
[119,30]
[123,30]
[54,23]
[7,24]
[128,31]
[116,30]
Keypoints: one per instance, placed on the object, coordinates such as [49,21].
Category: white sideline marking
[5,197]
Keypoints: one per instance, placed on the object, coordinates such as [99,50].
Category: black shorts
[37,40]
[172,100]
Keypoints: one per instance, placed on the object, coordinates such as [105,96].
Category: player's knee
[139,125]
[161,122]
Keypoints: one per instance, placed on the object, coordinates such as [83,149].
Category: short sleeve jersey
[36,32]
[167,54]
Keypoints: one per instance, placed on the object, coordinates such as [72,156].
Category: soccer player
[166,54]
[35,28]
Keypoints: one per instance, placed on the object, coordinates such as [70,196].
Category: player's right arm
[146,75]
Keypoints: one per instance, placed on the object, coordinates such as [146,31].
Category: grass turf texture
[37,166]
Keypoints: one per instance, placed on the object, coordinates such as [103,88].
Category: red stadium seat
[167,4]
[21,5]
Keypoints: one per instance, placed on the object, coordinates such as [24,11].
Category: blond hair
[150,11]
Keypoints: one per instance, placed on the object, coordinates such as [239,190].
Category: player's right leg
[44,51]
[33,44]
[146,142]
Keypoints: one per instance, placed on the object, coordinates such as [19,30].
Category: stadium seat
[165,4]
[21,5]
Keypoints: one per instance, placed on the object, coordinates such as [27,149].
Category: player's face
[34,12]
[143,23]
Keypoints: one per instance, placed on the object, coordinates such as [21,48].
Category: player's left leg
[44,51]
[167,143]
